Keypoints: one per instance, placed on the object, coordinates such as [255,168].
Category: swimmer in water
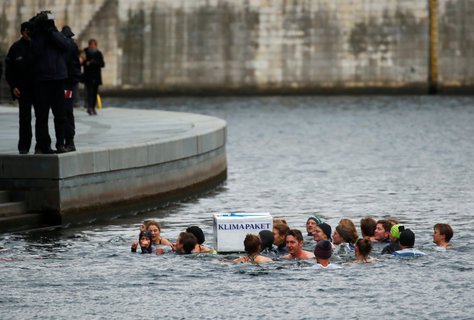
[294,243]
[199,234]
[322,254]
[394,236]
[279,232]
[311,223]
[160,244]
[322,232]
[442,234]
[144,239]
[367,228]
[267,238]
[155,229]
[344,237]
[382,231]
[362,249]
[252,245]
[185,243]
[407,243]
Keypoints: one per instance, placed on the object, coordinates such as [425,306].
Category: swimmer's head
[267,238]
[311,223]
[407,238]
[252,243]
[326,229]
[197,233]
[145,241]
[185,243]
[323,249]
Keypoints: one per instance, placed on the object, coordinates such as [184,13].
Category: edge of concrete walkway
[126,158]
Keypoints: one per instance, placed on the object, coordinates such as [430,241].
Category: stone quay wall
[268,46]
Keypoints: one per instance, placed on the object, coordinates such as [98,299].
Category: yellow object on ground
[99,102]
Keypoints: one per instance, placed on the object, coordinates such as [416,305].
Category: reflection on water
[406,157]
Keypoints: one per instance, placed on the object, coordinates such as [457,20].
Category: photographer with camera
[48,48]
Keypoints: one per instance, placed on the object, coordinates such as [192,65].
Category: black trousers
[25,102]
[49,95]
[70,126]
[91,94]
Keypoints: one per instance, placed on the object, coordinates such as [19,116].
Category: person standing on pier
[93,63]
[19,78]
[70,88]
[48,47]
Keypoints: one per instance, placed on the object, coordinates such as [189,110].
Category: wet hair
[197,233]
[364,246]
[279,221]
[367,226]
[393,221]
[267,238]
[188,240]
[407,238]
[148,223]
[296,234]
[282,228]
[347,230]
[323,249]
[252,243]
[444,229]
[387,225]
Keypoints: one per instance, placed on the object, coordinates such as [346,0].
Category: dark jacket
[18,65]
[92,72]
[48,50]
[72,62]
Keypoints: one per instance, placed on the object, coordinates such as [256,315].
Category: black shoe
[70,147]
[89,111]
[45,151]
[24,151]
[94,112]
[61,149]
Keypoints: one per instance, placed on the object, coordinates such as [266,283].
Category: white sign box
[230,229]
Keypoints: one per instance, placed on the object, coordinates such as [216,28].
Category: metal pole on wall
[433,56]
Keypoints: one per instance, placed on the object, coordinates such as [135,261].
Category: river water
[409,157]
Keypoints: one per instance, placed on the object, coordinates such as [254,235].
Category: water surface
[405,157]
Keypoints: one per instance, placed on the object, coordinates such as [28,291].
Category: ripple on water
[405,157]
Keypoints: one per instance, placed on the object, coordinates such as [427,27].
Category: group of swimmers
[286,243]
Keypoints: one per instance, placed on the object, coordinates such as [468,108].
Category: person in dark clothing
[19,78]
[144,240]
[70,87]
[48,47]
[93,63]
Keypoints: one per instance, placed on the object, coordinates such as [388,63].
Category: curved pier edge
[127,161]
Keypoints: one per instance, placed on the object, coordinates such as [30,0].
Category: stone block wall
[263,46]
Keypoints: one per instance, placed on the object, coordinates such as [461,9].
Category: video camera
[43,22]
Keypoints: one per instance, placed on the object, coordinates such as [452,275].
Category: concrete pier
[125,160]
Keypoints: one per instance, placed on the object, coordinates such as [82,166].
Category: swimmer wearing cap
[144,240]
[311,223]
